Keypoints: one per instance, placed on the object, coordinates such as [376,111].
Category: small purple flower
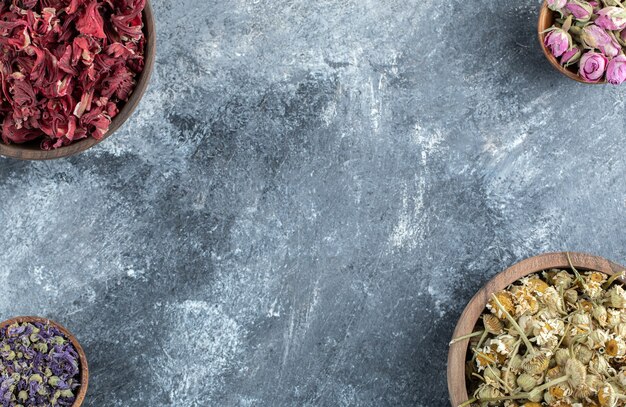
[616,70]
[581,10]
[595,37]
[592,66]
[611,18]
[558,41]
[571,56]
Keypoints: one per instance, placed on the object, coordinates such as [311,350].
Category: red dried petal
[91,22]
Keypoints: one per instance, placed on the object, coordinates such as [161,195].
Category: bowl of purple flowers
[585,40]
[41,364]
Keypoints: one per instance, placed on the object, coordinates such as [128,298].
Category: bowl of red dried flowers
[41,364]
[72,72]
[585,40]
[548,331]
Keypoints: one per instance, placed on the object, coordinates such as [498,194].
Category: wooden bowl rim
[457,353]
[545,18]
[84,367]
[31,152]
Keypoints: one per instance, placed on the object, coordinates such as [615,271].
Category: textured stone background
[307,197]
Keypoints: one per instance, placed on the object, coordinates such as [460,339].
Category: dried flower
[617,297]
[611,18]
[492,324]
[536,364]
[581,10]
[570,57]
[592,67]
[557,5]
[506,300]
[558,41]
[526,382]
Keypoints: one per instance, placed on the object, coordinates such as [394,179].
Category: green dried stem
[539,389]
[612,279]
[480,343]
[464,337]
[529,346]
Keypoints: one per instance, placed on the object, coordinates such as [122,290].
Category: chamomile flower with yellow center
[548,331]
[592,284]
[525,302]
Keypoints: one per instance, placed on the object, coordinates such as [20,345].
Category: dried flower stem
[529,346]
[480,343]
[464,337]
[612,279]
[576,273]
[539,389]
[468,402]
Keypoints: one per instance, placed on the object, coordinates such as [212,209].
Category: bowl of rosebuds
[585,40]
[72,72]
[548,331]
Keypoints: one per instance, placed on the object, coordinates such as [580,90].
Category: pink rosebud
[592,66]
[581,10]
[616,70]
[611,18]
[595,37]
[556,5]
[558,41]
[570,56]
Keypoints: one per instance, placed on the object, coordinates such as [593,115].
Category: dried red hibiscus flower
[67,67]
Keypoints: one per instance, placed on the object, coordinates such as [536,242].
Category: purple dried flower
[595,37]
[581,10]
[592,66]
[611,18]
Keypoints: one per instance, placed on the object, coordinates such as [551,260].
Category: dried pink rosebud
[592,66]
[581,10]
[558,41]
[616,70]
[556,5]
[611,18]
[571,56]
[595,37]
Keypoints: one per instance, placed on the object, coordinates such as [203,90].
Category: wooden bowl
[457,355]
[32,151]
[84,369]
[546,19]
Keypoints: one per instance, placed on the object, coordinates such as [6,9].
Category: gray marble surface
[307,197]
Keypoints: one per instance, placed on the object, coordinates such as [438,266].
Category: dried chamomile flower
[583,353]
[551,299]
[600,314]
[488,392]
[621,377]
[601,366]
[620,330]
[515,363]
[592,283]
[561,279]
[576,372]
[581,323]
[548,331]
[536,364]
[571,296]
[504,344]
[493,324]
[527,323]
[617,297]
[527,382]
[506,300]
[613,317]
[492,376]
[597,339]
[615,347]
[561,357]
[607,396]
[554,372]
[525,301]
